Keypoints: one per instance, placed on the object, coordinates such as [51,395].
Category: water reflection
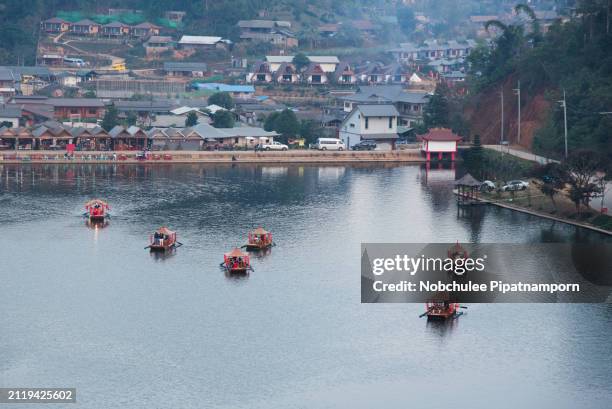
[443,328]
[119,311]
[162,255]
[96,224]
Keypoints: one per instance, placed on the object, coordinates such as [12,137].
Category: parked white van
[330,144]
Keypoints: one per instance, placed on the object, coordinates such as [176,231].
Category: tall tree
[582,167]
[406,20]
[437,108]
[300,61]
[284,122]
[192,119]
[111,118]
[223,119]
[223,99]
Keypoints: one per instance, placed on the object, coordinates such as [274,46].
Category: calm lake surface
[91,309]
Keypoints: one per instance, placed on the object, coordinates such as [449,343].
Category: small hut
[467,190]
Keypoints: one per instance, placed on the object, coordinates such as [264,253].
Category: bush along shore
[570,191]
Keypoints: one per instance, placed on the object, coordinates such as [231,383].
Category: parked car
[515,185]
[365,145]
[332,144]
[274,146]
[487,186]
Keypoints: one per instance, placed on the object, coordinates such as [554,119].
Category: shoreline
[544,215]
[168,157]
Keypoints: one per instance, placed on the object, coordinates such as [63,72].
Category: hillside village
[160,77]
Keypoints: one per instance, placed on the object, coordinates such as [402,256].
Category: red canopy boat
[163,239]
[236,262]
[441,310]
[96,209]
[440,307]
[259,239]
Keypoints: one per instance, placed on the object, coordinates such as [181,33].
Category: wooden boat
[236,262]
[457,251]
[441,310]
[163,239]
[96,210]
[259,239]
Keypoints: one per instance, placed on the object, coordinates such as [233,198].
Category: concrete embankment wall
[292,156]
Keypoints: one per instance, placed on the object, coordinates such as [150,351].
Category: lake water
[91,309]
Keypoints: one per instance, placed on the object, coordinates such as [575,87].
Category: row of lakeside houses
[329,70]
[88,27]
[53,135]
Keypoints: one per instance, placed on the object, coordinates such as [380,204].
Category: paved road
[521,154]
[596,203]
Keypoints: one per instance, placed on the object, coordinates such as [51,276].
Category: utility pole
[564,105]
[502,117]
[517,90]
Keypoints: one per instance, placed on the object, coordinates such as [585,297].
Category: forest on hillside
[19,19]
[573,56]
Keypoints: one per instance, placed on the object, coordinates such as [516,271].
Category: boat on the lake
[442,310]
[457,251]
[236,262]
[163,239]
[96,210]
[259,239]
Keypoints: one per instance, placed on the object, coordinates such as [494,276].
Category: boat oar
[148,247]
[425,313]
[463,306]
[179,243]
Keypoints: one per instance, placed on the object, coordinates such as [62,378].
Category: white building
[371,122]
[202,42]
[440,142]
[328,63]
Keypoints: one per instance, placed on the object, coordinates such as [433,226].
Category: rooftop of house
[263,24]
[185,66]
[85,22]
[160,39]
[55,20]
[200,40]
[217,87]
[378,110]
[6,74]
[386,93]
[36,71]
[115,24]
[10,111]
[318,59]
[143,106]
[146,25]
[440,135]
[76,102]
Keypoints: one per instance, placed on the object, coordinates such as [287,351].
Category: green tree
[406,20]
[301,61]
[551,179]
[437,108]
[131,119]
[309,130]
[284,122]
[111,118]
[223,99]
[582,167]
[192,119]
[223,119]
[474,158]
